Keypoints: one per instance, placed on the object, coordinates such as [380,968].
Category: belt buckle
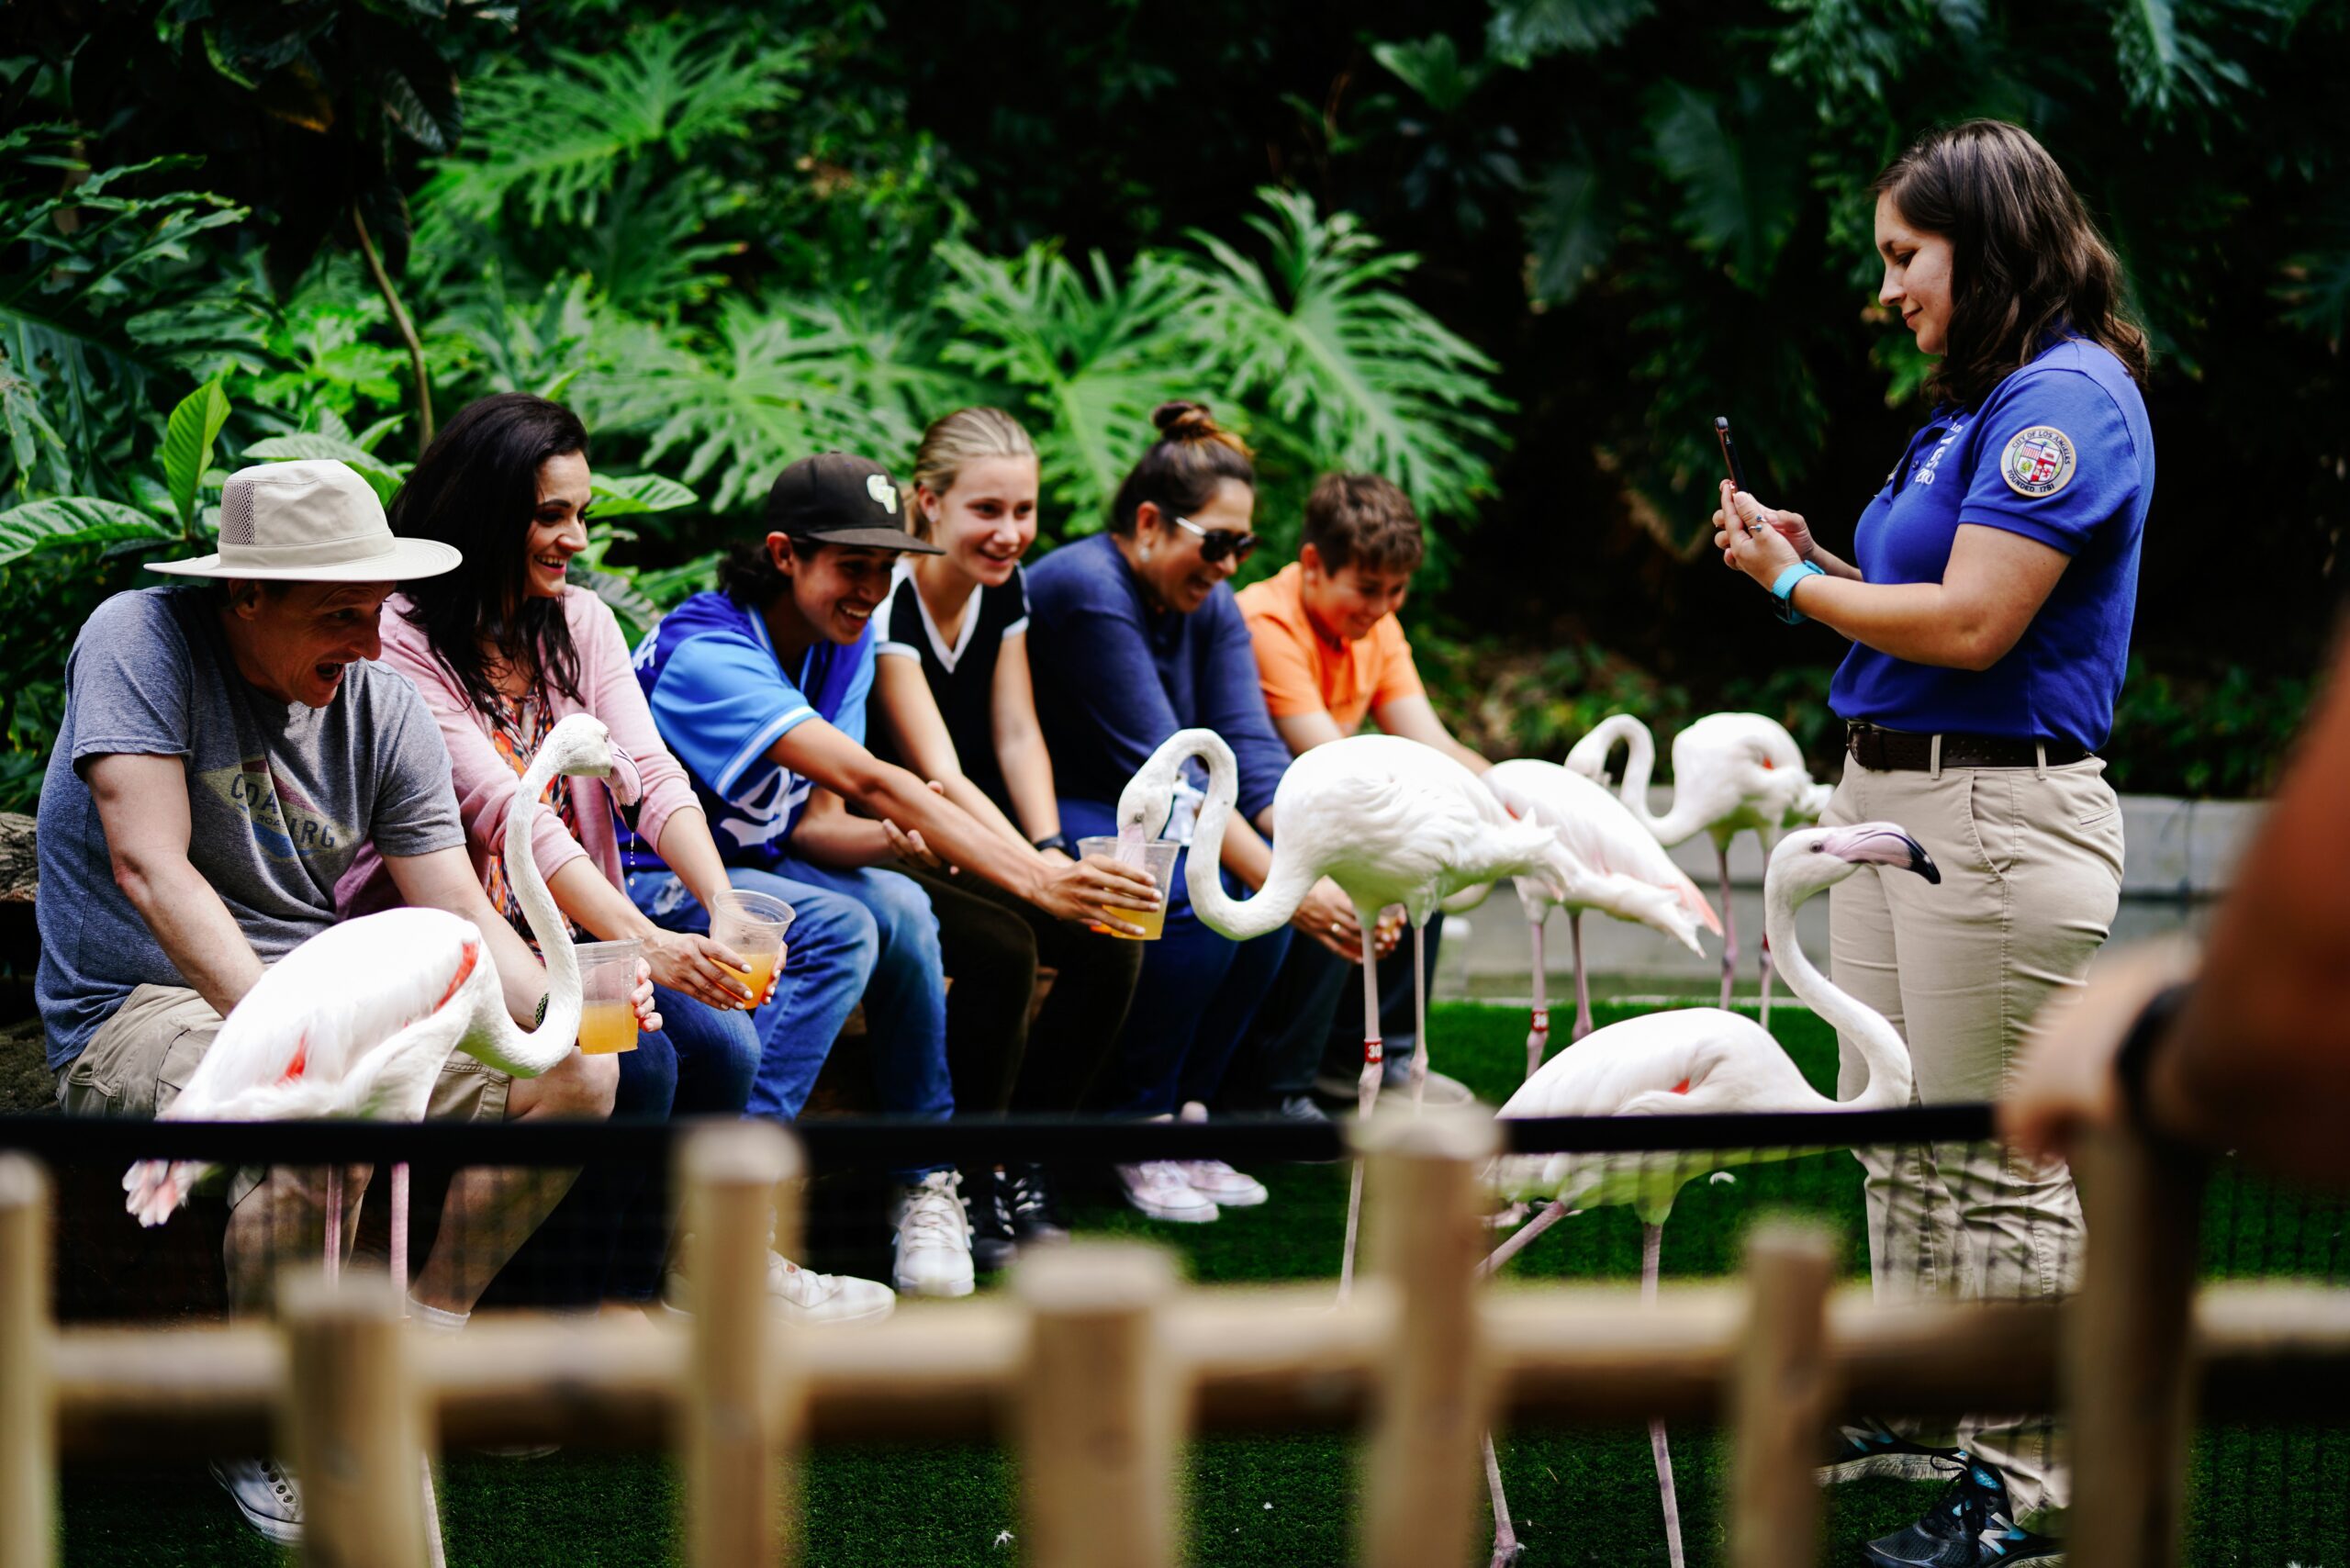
[1866,742]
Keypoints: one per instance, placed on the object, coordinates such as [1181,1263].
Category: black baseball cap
[834,498]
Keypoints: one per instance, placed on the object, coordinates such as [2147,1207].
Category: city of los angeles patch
[2038,462]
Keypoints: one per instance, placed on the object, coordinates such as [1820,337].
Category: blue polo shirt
[721,699]
[2060,452]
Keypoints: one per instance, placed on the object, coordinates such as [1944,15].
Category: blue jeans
[864,933]
[609,1237]
[1193,1004]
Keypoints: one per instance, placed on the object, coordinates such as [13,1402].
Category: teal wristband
[1786,586]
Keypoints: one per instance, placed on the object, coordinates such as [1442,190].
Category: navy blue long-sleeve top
[1116,676]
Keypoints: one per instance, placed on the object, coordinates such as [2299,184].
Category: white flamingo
[356,1021]
[1730,772]
[1625,873]
[1692,1062]
[1390,821]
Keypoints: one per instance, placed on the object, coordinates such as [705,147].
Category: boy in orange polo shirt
[1330,653]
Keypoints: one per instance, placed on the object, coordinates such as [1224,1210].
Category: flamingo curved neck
[1267,910]
[1879,1043]
[558,1029]
[1681,820]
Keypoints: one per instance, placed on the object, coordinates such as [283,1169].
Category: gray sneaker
[266,1493]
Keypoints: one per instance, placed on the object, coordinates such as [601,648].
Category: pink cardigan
[644,771]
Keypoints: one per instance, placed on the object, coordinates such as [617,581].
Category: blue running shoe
[1970,1527]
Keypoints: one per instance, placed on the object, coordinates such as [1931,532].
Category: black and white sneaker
[1868,1448]
[1970,1527]
[987,1199]
[1028,1200]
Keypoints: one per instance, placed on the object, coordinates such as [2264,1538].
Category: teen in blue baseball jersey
[760,691]
[1988,601]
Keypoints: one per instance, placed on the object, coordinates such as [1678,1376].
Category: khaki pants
[2031,874]
[142,1057]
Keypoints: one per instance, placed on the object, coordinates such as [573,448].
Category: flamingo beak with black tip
[1880,844]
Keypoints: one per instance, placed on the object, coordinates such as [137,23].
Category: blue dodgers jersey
[721,699]
[2060,452]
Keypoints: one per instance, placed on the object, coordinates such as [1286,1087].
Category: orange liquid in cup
[606,1028]
[757,977]
[1153,924]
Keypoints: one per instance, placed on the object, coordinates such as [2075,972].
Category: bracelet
[1055,840]
[1781,590]
[2135,1058]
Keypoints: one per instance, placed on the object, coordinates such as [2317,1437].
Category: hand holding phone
[1730,465]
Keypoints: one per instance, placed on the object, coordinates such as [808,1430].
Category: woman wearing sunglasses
[1133,635]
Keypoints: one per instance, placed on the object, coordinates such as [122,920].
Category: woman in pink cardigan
[503,649]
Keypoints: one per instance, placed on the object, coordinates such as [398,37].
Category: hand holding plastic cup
[752,924]
[608,983]
[1155,855]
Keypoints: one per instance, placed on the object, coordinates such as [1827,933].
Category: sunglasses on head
[1215,543]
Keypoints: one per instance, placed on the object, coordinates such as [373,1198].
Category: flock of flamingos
[357,1022]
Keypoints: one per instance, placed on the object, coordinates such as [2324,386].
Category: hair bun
[1185,422]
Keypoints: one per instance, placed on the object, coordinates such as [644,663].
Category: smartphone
[1730,464]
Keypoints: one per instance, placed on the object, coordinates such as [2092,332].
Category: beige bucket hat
[311,522]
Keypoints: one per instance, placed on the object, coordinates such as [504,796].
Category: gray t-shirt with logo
[280,798]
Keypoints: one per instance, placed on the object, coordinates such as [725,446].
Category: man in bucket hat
[225,751]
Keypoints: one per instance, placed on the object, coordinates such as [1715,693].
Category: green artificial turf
[2263,1497]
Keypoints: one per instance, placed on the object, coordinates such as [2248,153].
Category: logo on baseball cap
[834,498]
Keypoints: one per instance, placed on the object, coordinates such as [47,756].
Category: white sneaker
[805,1296]
[1158,1189]
[266,1493]
[1215,1180]
[802,1294]
[934,1247]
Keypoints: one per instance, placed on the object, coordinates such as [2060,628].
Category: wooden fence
[1098,1363]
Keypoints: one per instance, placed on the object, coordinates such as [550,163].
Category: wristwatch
[1055,840]
[1785,586]
[2132,1062]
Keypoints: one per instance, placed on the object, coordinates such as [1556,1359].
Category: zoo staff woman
[1989,603]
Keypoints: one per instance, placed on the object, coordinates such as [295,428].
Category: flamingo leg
[1506,1550]
[1651,1250]
[400,1228]
[1552,1213]
[1582,978]
[1419,1014]
[1538,1036]
[1767,965]
[1729,925]
[1366,1092]
[334,1222]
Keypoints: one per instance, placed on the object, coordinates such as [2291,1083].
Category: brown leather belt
[1901,751]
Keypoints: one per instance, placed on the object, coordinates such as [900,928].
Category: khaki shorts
[142,1057]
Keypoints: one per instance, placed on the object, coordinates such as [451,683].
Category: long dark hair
[2025,260]
[1183,466]
[476,486]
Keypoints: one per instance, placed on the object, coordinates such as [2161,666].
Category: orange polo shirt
[1302,672]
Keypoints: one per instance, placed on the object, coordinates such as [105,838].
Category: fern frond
[1364,378]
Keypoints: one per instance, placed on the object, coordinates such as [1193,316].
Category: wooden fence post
[2127,1372]
[1779,1398]
[744,1410]
[1430,1411]
[355,1420]
[1099,1409]
[28,1415]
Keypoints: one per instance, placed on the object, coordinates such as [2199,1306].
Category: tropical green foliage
[1516,262]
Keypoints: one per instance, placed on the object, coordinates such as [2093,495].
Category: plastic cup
[606,977]
[1155,855]
[752,924]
